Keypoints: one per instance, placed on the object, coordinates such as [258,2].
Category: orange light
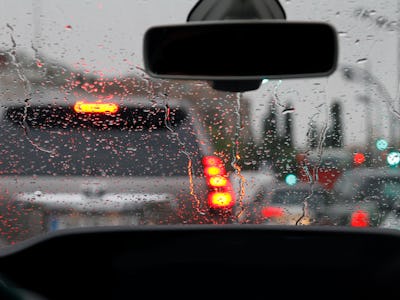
[359,158]
[360,218]
[213,171]
[217,181]
[99,108]
[272,212]
[220,200]
[211,161]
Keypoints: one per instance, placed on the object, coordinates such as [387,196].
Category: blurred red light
[97,107]
[220,195]
[360,218]
[272,212]
[214,171]
[217,181]
[211,161]
[358,158]
[220,200]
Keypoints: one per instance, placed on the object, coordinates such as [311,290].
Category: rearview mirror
[241,50]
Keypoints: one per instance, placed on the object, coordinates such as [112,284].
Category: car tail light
[211,171]
[220,200]
[272,212]
[359,218]
[95,107]
[212,161]
[220,195]
[217,181]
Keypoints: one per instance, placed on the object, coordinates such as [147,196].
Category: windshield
[88,138]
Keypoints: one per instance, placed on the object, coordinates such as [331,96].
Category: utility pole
[368,109]
[366,100]
[363,76]
[37,30]
[396,102]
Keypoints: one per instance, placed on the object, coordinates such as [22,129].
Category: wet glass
[87,138]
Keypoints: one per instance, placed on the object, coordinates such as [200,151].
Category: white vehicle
[85,160]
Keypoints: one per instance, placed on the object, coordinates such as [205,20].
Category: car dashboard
[206,261]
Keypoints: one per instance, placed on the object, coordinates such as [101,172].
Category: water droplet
[38,193]
[361,60]
[392,26]
[288,110]
[380,21]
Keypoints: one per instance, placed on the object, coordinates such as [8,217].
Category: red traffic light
[358,158]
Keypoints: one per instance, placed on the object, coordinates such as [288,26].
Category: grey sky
[88,36]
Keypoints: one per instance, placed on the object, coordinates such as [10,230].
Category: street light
[357,74]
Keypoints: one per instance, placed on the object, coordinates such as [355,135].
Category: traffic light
[381,144]
[358,158]
[393,158]
[291,179]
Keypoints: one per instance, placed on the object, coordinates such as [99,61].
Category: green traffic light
[291,179]
[381,144]
[393,158]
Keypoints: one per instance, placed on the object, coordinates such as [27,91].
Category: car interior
[205,261]
[215,261]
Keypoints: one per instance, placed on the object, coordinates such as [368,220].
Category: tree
[271,138]
[334,138]
[288,136]
[278,149]
[312,136]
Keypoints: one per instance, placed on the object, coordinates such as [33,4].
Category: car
[269,79]
[80,163]
[249,186]
[291,204]
[391,221]
[391,217]
[364,196]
